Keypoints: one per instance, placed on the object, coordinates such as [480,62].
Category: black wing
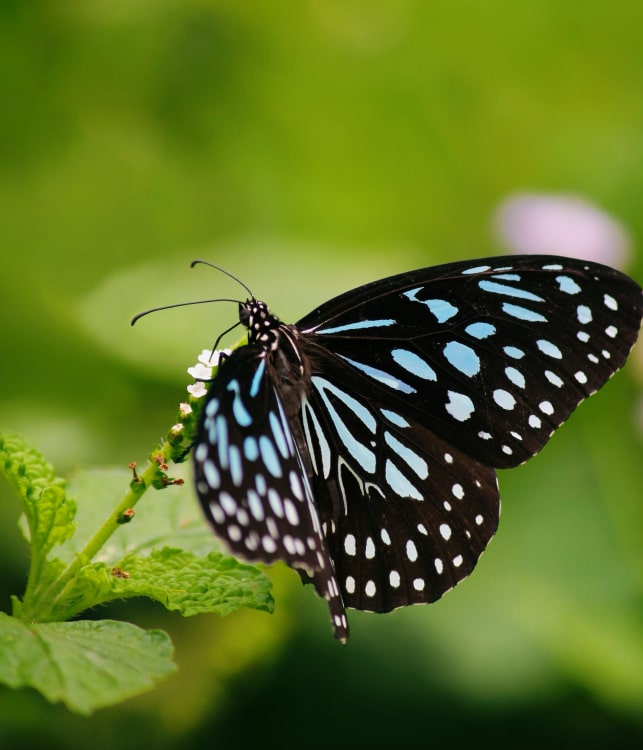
[250,478]
[492,355]
[406,515]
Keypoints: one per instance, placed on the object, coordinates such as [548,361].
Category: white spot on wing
[610,302]
[546,407]
[551,350]
[504,399]
[459,406]
[553,378]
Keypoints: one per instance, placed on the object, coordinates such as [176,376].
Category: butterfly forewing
[492,355]
[251,480]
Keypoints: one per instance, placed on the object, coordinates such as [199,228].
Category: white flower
[176,429]
[200,372]
[208,358]
[197,390]
[184,409]
[212,359]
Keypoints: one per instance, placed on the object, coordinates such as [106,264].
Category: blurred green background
[308,147]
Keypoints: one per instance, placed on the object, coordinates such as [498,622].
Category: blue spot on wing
[523,313]
[256,378]
[513,352]
[509,291]
[358,325]
[241,414]
[386,378]
[414,364]
[440,308]
[568,285]
[463,358]
[269,456]
[250,448]
[480,330]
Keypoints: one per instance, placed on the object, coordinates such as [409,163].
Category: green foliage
[191,584]
[86,665]
[160,555]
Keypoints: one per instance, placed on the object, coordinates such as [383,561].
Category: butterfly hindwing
[406,515]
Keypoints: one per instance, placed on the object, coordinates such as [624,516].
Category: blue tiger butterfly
[359,444]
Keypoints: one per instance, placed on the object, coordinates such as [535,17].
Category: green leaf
[51,519]
[179,580]
[48,511]
[192,585]
[86,665]
[24,466]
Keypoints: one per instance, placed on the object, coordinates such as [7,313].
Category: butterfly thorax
[262,325]
[279,342]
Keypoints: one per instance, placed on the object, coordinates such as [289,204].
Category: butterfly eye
[244,313]
[360,444]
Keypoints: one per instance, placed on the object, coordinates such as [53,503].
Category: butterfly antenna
[182,304]
[221,335]
[227,273]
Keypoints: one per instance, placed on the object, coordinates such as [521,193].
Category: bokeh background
[308,147]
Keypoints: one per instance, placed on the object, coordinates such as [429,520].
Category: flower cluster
[202,371]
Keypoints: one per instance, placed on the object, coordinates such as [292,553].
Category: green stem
[38,606]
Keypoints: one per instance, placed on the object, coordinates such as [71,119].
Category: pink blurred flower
[561,225]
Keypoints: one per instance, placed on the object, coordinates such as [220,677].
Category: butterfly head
[262,325]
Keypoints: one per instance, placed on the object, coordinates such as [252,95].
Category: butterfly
[359,445]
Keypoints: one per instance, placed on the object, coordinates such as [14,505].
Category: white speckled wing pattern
[251,480]
[359,445]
